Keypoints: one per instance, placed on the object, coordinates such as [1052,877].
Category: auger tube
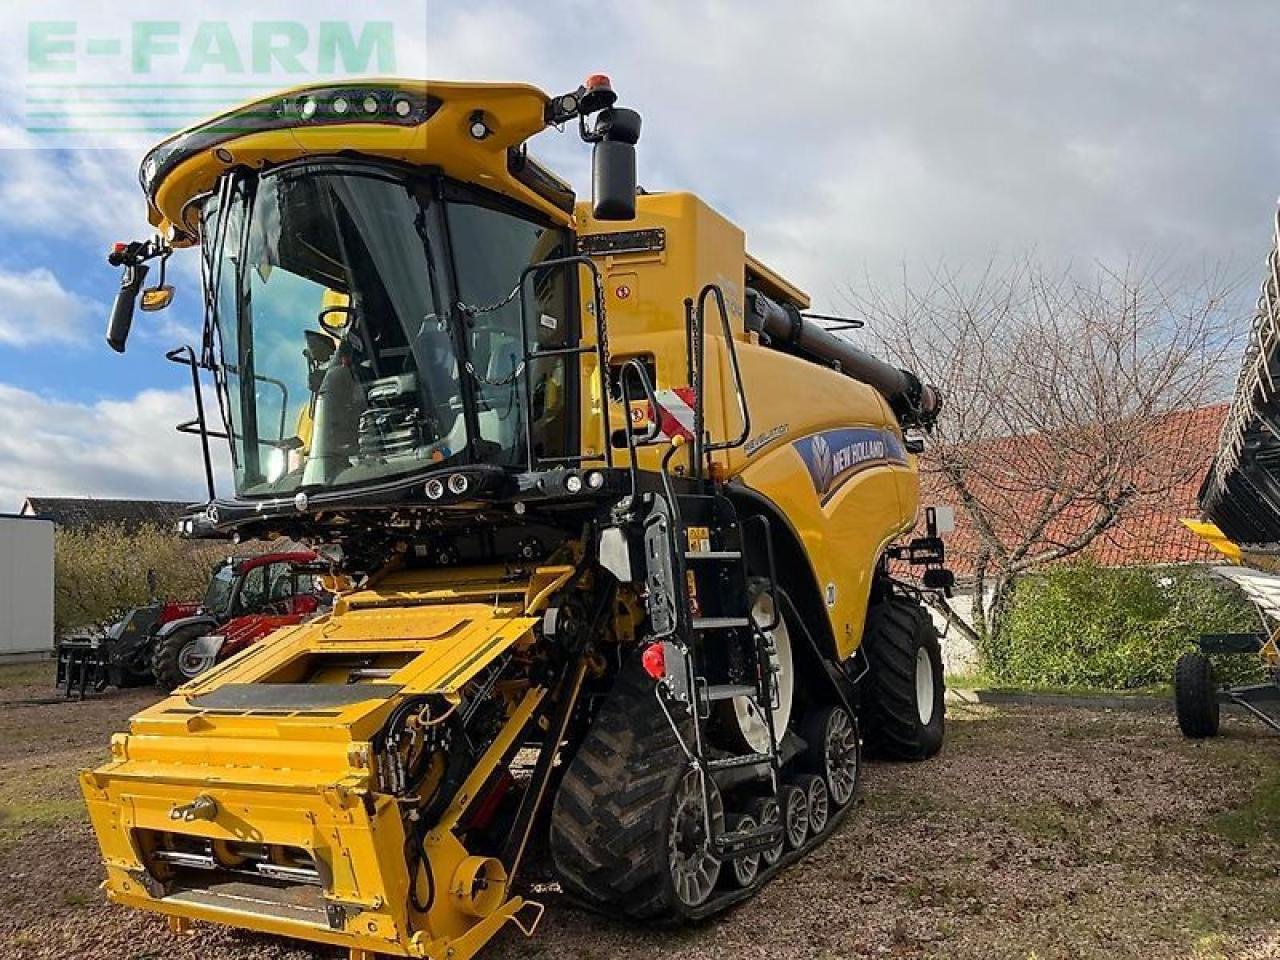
[784,324]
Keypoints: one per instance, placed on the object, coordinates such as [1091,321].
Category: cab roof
[474,132]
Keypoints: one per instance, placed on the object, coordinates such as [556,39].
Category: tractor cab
[281,584]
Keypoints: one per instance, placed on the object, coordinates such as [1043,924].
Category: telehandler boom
[609,516]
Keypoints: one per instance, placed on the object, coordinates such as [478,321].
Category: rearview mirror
[122,311]
[613,164]
[156,298]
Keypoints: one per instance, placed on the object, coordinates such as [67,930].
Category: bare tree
[1055,385]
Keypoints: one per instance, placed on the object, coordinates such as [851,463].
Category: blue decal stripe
[833,456]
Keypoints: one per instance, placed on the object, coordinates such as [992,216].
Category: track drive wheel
[628,824]
[744,870]
[818,799]
[1195,695]
[795,815]
[834,752]
[903,707]
[175,659]
[765,811]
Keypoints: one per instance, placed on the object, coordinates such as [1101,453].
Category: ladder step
[745,760]
[727,691]
[720,623]
[713,555]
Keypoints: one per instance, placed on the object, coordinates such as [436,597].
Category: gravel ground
[1039,833]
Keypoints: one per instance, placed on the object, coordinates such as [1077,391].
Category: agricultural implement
[119,654]
[1240,501]
[167,642]
[615,509]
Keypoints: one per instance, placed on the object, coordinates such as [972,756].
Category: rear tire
[619,831]
[1195,696]
[903,713]
[172,661]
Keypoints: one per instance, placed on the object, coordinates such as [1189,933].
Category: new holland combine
[609,517]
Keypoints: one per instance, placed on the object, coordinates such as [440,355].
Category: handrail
[701,447]
[601,351]
[187,356]
[655,427]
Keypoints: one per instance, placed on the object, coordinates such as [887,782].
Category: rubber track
[608,819]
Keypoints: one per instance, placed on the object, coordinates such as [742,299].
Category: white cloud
[112,448]
[35,308]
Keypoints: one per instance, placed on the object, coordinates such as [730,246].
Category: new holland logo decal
[834,456]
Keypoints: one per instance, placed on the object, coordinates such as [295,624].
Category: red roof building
[1014,478]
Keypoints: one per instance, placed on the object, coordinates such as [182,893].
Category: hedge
[1089,626]
[102,571]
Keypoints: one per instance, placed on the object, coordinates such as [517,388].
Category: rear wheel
[177,659]
[1195,695]
[903,711]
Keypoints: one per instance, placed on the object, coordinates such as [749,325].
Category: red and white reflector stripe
[675,412]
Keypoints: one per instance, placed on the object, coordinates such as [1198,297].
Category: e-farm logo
[156,76]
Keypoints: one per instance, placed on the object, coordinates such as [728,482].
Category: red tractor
[248,598]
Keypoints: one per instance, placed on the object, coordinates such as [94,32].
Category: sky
[850,140]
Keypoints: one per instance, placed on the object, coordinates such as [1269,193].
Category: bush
[1089,626]
[101,572]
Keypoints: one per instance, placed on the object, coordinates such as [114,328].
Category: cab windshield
[217,597]
[366,330]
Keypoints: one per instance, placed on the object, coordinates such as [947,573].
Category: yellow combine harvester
[609,514]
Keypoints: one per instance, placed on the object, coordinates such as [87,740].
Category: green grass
[1258,820]
[26,674]
[19,817]
[982,682]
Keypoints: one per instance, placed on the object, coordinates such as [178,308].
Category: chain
[471,311]
[509,378]
[613,394]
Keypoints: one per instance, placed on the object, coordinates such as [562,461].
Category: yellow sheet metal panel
[645,294]
[773,285]
[513,112]
[846,510]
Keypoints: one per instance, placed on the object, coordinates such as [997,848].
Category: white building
[26,587]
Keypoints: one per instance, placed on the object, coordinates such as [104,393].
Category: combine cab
[615,508]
